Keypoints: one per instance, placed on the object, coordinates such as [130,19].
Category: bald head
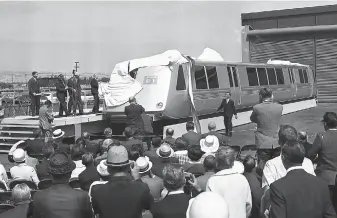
[132,100]
[170,132]
[207,204]
[302,135]
[86,135]
[211,126]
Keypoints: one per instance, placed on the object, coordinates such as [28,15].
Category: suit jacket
[61,91]
[257,193]
[228,108]
[267,116]
[325,147]
[133,114]
[21,210]
[62,201]
[87,177]
[222,139]
[74,83]
[42,170]
[45,118]
[130,198]
[170,140]
[34,147]
[94,86]
[300,194]
[174,205]
[33,86]
[92,147]
[192,138]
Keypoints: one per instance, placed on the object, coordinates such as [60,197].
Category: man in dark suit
[303,139]
[212,131]
[75,92]
[169,137]
[61,94]
[267,116]
[90,174]
[94,92]
[191,137]
[133,114]
[60,200]
[229,110]
[299,194]
[34,93]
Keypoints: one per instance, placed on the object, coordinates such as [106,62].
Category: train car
[165,94]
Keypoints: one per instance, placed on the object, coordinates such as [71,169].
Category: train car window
[279,75]
[252,77]
[230,76]
[291,75]
[235,75]
[212,77]
[200,78]
[271,76]
[262,76]
[181,85]
[300,73]
[305,75]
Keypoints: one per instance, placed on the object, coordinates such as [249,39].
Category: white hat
[238,167]
[210,144]
[102,169]
[165,151]
[144,164]
[19,155]
[58,133]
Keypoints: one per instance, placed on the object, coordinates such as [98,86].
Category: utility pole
[77,65]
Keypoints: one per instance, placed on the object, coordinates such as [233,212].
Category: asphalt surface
[308,120]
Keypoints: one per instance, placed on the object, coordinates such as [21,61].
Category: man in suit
[74,89]
[90,174]
[169,137]
[45,120]
[229,110]
[133,114]
[267,116]
[299,194]
[34,93]
[61,94]
[94,92]
[60,200]
[191,137]
[212,131]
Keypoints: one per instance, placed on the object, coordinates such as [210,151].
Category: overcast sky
[50,36]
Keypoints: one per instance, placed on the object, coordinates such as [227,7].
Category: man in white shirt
[274,168]
[231,185]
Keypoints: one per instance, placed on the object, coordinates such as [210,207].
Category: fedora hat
[19,155]
[102,169]
[58,133]
[165,151]
[117,157]
[210,144]
[144,164]
[60,163]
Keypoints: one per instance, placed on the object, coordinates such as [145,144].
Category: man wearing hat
[61,94]
[123,196]
[57,137]
[60,200]
[22,170]
[165,154]
[74,89]
[155,183]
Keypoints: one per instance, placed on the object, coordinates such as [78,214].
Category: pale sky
[50,36]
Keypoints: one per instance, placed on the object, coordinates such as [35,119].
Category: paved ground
[308,120]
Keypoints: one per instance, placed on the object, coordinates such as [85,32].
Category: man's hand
[236,116]
[193,182]
[266,214]
[34,94]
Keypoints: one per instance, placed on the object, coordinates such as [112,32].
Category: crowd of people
[194,176]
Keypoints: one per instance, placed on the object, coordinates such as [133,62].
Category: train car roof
[204,62]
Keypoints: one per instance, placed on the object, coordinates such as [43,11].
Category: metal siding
[296,21]
[326,69]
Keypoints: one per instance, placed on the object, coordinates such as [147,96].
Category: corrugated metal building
[305,35]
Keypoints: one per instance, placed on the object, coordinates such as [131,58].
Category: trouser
[96,103]
[228,125]
[63,105]
[333,195]
[35,104]
[74,102]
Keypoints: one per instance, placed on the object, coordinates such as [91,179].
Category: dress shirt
[274,170]
[23,171]
[183,158]
[3,174]
[79,169]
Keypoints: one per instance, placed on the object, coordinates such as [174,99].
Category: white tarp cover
[280,62]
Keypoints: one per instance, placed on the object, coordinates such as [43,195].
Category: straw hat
[210,144]
[58,133]
[19,155]
[102,169]
[60,163]
[144,164]
[117,157]
[165,151]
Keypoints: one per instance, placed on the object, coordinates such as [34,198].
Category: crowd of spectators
[193,176]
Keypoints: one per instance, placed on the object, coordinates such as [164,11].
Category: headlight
[159,105]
